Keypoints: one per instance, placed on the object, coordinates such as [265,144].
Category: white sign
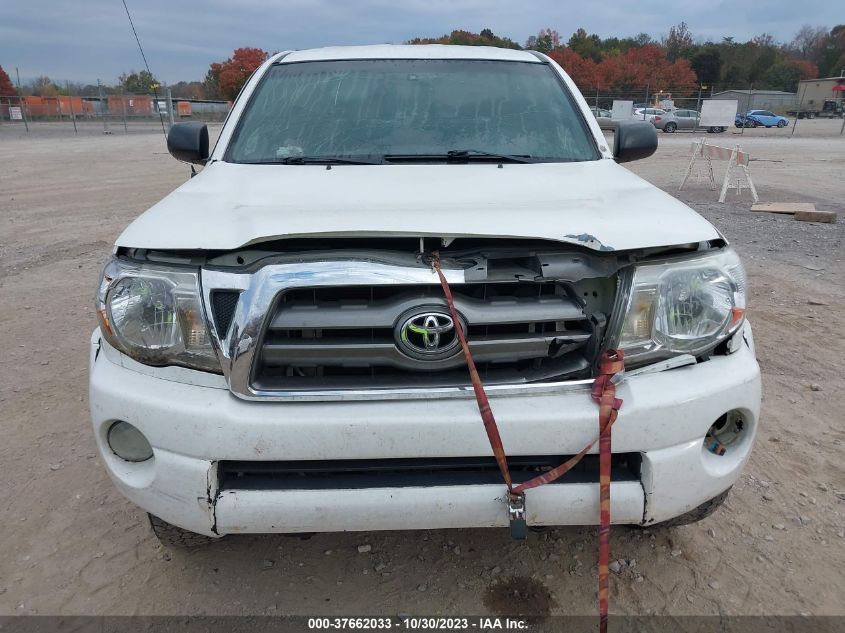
[667,104]
[622,110]
[718,113]
[15,113]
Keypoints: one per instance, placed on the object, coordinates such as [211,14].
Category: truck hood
[596,204]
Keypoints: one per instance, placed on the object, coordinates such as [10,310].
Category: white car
[275,353]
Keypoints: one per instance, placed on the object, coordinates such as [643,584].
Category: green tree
[544,42]
[707,64]
[587,46]
[468,38]
[138,83]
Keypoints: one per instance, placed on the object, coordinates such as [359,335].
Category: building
[759,99]
[814,92]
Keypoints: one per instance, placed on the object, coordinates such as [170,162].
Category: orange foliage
[6,87]
[647,66]
[636,68]
[807,69]
[232,74]
[584,71]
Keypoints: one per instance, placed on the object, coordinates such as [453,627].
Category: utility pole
[798,112]
[20,100]
[72,115]
[103,111]
[123,104]
[170,106]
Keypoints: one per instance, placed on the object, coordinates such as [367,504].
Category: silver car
[677,120]
[603,117]
[681,119]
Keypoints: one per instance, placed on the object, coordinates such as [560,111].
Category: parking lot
[70,544]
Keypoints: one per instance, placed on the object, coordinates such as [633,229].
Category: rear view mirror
[634,140]
[188,142]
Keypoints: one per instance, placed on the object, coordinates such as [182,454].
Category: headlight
[154,315]
[683,306]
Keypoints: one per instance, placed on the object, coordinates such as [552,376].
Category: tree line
[678,62]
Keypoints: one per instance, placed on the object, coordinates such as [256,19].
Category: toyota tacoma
[275,354]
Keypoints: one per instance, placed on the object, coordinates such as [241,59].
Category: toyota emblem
[427,334]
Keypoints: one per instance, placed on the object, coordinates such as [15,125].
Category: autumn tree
[231,75]
[647,66]
[6,87]
[583,70]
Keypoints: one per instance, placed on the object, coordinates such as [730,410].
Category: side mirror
[188,142]
[634,140]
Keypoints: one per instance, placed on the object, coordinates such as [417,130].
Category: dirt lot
[71,544]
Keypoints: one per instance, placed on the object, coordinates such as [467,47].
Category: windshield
[410,107]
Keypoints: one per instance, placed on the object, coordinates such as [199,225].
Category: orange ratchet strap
[604,394]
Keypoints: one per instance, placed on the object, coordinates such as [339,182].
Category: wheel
[753,123]
[176,537]
[670,127]
[696,514]
[781,123]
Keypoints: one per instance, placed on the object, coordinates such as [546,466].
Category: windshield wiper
[316,160]
[458,155]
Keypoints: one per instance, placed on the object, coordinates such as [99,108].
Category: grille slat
[407,472]
[335,338]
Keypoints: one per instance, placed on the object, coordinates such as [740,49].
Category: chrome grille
[346,337]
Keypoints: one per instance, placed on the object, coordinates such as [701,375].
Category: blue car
[756,118]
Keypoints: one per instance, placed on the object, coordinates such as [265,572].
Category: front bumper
[193,422]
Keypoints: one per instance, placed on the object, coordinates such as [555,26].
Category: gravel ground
[70,544]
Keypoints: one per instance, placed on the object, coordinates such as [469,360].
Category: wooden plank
[828,217]
[783,207]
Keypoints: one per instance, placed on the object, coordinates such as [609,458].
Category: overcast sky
[83,40]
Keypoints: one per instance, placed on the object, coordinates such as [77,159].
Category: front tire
[781,123]
[176,537]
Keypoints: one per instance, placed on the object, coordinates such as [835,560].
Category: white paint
[228,205]
[622,110]
[718,112]
[406,51]
[190,427]
[251,511]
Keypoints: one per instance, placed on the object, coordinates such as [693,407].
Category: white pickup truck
[275,353]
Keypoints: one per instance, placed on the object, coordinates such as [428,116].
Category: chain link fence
[111,114]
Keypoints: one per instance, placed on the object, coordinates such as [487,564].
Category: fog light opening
[128,443]
[726,431]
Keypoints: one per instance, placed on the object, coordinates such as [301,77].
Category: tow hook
[516,513]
